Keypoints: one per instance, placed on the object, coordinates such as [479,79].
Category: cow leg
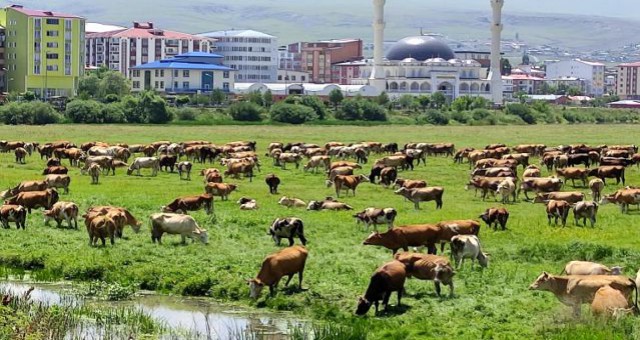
[104,241]
[416,205]
[184,239]
[290,241]
[437,284]
[385,300]
[399,296]
[442,244]
[289,280]
[548,219]
[111,238]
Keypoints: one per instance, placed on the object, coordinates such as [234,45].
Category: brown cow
[105,210]
[286,262]
[623,197]
[449,229]
[347,183]
[390,277]
[272,181]
[558,209]
[190,203]
[422,195]
[21,155]
[245,168]
[495,216]
[220,189]
[409,183]
[67,211]
[101,227]
[573,174]
[55,170]
[13,213]
[429,267]
[610,302]
[570,196]
[58,181]
[35,199]
[603,172]
[403,237]
[542,184]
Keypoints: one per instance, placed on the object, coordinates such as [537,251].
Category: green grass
[493,303]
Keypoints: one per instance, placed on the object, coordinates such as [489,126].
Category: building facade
[628,81]
[289,76]
[189,73]
[254,55]
[123,49]
[592,74]
[44,51]
[317,58]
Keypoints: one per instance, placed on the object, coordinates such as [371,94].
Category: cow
[190,203]
[58,181]
[596,185]
[247,203]
[485,184]
[288,157]
[62,211]
[575,290]
[422,195]
[101,227]
[152,163]
[531,171]
[403,237]
[176,224]
[571,197]
[94,171]
[13,213]
[21,155]
[388,176]
[558,209]
[220,189]
[390,148]
[616,161]
[318,161]
[610,302]
[28,186]
[542,184]
[585,210]
[347,183]
[589,268]
[521,158]
[52,162]
[339,164]
[389,278]
[468,246]
[35,199]
[105,162]
[405,162]
[287,228]
[506,189]
[623,197]
[428,267]
[46,151]
[494,217]
[55,170]
[286,262]
[580,158]
[409,183]
[273,181]
[243,167]
[375,216]
[292,202]
[328,205]
[129,219]
[184,168]
[573,174]
[494,172]
[603,172]
[167,162]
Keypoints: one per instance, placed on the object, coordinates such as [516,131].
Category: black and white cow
[287,228]
[375,216]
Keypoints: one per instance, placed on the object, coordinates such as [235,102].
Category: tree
[424,101]
[267,98]
[361,109]
[89,85]
[574,91]
[434,117]
[182,100]
[218,96]
[255,97]
[114,82]
[84,111]
[292,113]
[383,99]
[438,100]
[505,67]
[523,111]
[313,102]
[406,101]
[245,112]
[462,103]
[154,108]
[336,97]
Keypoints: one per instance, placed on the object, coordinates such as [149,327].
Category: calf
[496,216]
[272,181]
[62,211]
[220,189]
[558,209]
[387,279]
[13,213]
[176,224]
[428,267]
[94,171]
[422,195]
[424,235]
[287,228]
[468,246]
[585,210]
[190,203]
[328,205]
[21,155]
[286,262]
[589,268]
[375,216]
[292,202]
[610,302]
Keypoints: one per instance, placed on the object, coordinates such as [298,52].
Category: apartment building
[592,74]
[627,81]
[319,58]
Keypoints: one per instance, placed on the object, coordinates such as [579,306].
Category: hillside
[301,20]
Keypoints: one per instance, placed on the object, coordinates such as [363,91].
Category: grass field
[490,303]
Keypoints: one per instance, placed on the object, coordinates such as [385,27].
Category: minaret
[377,78]
[495,74]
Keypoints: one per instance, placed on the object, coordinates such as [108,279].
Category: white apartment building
[143,43]
[592,74]
[254,55]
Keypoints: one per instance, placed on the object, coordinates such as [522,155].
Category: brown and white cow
[496,216]
[58,181]
[376,216]
[347,183]
[222,190]
[63,211]
[558,210]
[422,195]
[35,199]
[13,213]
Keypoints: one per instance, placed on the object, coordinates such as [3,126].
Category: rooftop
[236,33]
[94,27]
[42,13]
[144,30]
[187,61]
[635,64]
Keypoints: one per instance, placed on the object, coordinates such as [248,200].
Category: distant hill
[309,20]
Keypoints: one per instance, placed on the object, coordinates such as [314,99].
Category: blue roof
[170,64]
[199,55]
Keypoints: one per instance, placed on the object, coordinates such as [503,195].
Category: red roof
[636,64]
[522,77]
[41,13]
[145,31]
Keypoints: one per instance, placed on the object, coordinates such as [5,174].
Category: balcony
[190,90]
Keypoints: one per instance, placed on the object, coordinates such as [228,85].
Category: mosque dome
[421,48]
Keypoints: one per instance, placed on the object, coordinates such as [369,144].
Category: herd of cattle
[494,171]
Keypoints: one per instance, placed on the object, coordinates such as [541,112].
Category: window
[67,70]
[161,84]
[136,73]
[185,84]
[185,73]
[52,55]
[52,67]
[37,34]
[67,35]
[225,86]
[175,84]
[156,73]
[162,73]
[67,47]
[53,21]
[37,22]
[36,69]
[52,33]
[67,25]
[225,74]
[136,84]
[176,74]
[52,45]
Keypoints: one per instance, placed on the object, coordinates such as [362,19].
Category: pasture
[489,303]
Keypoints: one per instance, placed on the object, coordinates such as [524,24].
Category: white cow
[145,162]
[468,246]
[62,211]
[507,188]
[292,202]
[176,224]
[590,268]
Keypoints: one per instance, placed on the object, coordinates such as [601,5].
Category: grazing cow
[543,184]
[579,158]
[496,216]
[101,227]
[616,161]
[287,228]
[339,164]
[35,199]
[317,161]
[603,172]
[468,246]
[28,186]
[328,205]
[388,176]
[58,181]
[286,262]
[184,168]
[190,203]
[243,167]
[623,197]
[129,219]
[558,209]
[105,162]
[340,171]
[292,202]
[507,188]
[152,163]
[596,185]
[55,170]
[573,174]
[585,210]
[403,237]
[485,185]
[13,213]
[247,203]
[521,158]
[494,172]
[404,161]
[52,162]
[375,216]
[531,171]
[389,278]
[589,268]
[449,229]
[409,183]
[390,148]
[570,196]
[176,224]
[347,183]
[579,289]
[62,211]
[213,177]
[167,162]
[21,155]
[610,302]
[428,267]
[94,171]
[222,190]
[46,151]
[272,181]
[289,157]
[422,195]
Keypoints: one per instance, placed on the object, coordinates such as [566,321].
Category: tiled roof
[42,13]
[134,32]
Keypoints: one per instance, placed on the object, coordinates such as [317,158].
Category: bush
[434,117]
[292,114]
[113,113]
[84,111]
[462,117]
[480,114]
[310,101]
[361,109]
[187,113]
[182,100]
[30,113]
[523,111]
[245,112]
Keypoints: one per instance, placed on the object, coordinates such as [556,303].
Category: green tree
[336,97]
[462,103]
[84,111]
[438,100]
[292,113]
[361,109]
[424,101]
[267,98]
[114,82]
[574,91]
[313,102]
[218,96]
[132,110]
[523,111]
[505,66]
[245,112]
[89,85]
[154,108]
[255,97]
[406,101]
[383,99]
[182,100]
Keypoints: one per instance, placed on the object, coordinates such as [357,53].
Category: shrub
[361,109]
[84,111]
[245,112]
[310,101]
[523,111]
[293,114]
[461,117]
[43,113]
[186,113]
[29,113]
[434,117]
[182,100]
[480,114]
[113,113]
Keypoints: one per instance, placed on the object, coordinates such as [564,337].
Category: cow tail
[301,233]
[635,303]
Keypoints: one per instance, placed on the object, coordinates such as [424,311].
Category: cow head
[314,205]
[360,216]
[486,216]
[255,288]
[543,282]
[129,171]
[374,239]
[363,306]
[402,191]
[244,200]
[202,235]
[284,200]
[540,198]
